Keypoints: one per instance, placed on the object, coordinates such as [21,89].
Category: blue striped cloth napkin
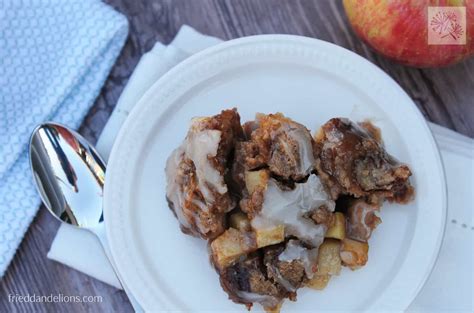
[54,58]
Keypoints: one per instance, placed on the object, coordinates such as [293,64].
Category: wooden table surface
[445,96]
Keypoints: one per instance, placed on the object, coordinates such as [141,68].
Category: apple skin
[398,29]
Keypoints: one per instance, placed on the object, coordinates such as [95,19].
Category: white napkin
[449,286]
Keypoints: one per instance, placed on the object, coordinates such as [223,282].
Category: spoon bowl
[69,174]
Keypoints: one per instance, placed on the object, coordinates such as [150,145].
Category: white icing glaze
[358,217]
[282,281]
[199,146]
[289,207]
[265,300]
[305,148]
[173,190]
[302,137]
[197,221]
[295,251]
[365,210]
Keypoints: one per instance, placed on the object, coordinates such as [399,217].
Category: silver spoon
[70,176]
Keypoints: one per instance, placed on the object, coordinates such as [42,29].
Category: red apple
[398,29]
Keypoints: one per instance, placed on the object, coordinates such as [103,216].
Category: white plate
[310,81]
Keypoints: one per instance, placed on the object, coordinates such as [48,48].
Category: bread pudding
[196,188]
[281,209]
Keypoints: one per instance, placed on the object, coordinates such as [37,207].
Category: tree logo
[446,25]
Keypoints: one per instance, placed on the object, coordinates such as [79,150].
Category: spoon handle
[99,231]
